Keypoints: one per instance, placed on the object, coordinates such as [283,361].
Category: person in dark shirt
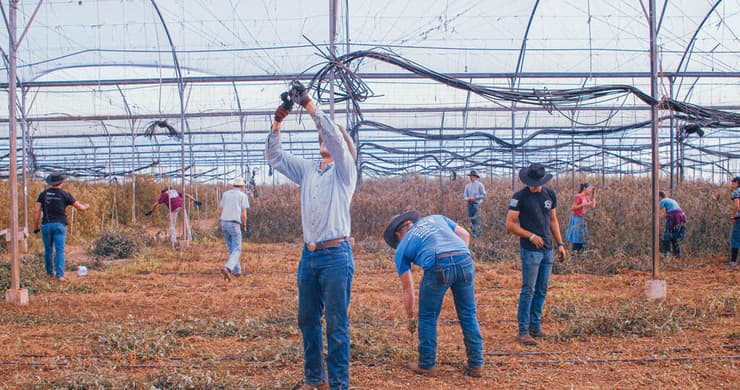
[53,201]
[532,217]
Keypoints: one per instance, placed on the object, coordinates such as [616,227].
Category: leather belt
[452,254]
[334,243]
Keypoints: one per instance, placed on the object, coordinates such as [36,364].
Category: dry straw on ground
[165,319]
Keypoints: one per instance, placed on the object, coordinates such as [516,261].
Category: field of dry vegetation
[167,320]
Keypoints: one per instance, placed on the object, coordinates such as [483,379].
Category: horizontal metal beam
[339,111]
[367,76]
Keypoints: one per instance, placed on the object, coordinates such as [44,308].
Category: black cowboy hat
[534,175]
[55,178]
[474,173]
[389,235]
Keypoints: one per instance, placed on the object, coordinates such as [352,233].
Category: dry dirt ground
[169,320]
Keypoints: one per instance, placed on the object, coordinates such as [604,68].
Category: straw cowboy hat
[55,178]
[534,175]
[238,182]
[474,173]
[389,235]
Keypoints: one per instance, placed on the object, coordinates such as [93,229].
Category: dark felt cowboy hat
[474,173]
[389,235]
[534,175]
[55,178]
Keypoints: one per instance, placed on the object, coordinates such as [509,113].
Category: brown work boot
[475,372]
[320,386]
[538,334]
[422,371]
[526,339]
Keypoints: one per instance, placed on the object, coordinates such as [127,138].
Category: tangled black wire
[342,71]
[348,84]
[341,75]
[150,130]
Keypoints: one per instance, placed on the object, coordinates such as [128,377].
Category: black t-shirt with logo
[53,203]
[534,214]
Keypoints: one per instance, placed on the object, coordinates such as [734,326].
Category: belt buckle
[311,246]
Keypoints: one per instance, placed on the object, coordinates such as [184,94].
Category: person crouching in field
[175,204]
[440,247]
[326,267]
[53,201]
[675,225]
[234,205]
[532,217]
[577,231]
[735,235]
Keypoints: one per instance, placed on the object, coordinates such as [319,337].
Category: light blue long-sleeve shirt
[325,195]
[475,189]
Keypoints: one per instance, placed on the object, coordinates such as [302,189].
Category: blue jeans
[54,234]
[324,282]
[456,273]
[536,268]
[475,217]
[671,237]
[233,236]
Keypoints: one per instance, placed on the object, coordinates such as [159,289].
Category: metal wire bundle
[151,129]
[349,85]
[704,117]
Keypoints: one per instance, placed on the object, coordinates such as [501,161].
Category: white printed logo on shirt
[548,204]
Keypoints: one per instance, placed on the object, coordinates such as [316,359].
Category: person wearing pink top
[174,201]
[577,232]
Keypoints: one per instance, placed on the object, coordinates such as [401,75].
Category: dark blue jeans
[475,219]
[324,283]
[536,269]
[458,274]
[671,238]
[54,234]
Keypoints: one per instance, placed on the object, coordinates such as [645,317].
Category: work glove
[284,108]
[148,213]
[198,203]
[299,93]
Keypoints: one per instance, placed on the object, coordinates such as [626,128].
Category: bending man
[440,247]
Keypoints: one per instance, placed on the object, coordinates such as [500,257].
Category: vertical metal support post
[13,169]
[24,177]
[15,294]
[672,135]
[513,135]
[654,138]
[332,50]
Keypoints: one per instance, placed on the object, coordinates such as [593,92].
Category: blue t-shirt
[668,204]
[736,195]
[428,237]
[534,214]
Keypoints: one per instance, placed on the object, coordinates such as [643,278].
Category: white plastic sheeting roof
[89,72]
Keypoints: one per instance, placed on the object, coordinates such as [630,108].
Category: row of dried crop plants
[620,226]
